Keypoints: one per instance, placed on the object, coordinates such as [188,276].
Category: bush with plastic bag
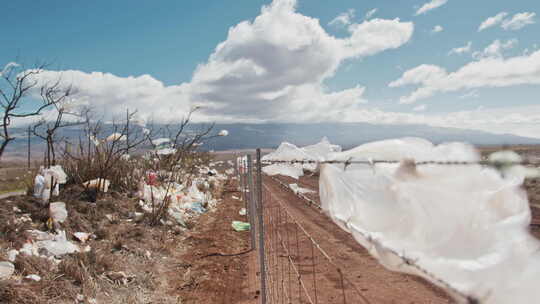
[464,225]
[183,202]
[47,179]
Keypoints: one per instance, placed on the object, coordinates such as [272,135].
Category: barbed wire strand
[351,161]
[312,240]
[409,262]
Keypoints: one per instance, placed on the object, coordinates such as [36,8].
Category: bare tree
[15,86]
[67,115]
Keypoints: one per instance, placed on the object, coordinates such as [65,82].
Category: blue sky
[291,62]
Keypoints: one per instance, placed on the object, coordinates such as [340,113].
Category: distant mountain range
[250,136]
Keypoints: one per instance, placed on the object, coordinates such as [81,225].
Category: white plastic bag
[464,225]
[39,186]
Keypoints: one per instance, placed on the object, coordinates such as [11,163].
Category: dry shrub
[13,293]
[84,266]
[26,265]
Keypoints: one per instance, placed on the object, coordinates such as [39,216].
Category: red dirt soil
[365,274]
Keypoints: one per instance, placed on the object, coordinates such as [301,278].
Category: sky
[442,63]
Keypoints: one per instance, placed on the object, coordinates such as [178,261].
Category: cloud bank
[274,68]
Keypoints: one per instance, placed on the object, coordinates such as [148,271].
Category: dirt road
[364,273]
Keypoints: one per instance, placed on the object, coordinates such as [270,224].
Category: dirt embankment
[127,260]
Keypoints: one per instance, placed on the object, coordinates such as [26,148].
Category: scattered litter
[113,218]
[39,186]
[15,209]
[48,244]
[240,226]
[81,236]
[116,137]
[119,277]
[58,212]
[12,255]
[33,277]
[223,133]
[235,197]
[197,207]
[6,270]
[299,190]
[242,211]
[98,183]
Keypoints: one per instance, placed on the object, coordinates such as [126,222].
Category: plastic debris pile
[184,202]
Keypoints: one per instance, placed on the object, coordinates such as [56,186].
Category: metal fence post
[251,200]
[260,211]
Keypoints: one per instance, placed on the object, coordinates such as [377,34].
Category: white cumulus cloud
[370,13]
[461,50]
[495,49]
[437,29]
[343,19]
[420,108]
[519,21]
[430,6]
[492,21]
[485,72]
[272,68]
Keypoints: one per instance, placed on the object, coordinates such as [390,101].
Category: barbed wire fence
[291,261]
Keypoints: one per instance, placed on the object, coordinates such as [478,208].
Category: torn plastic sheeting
[178,216]
[160,141]
[102,184]
[116,137]
[50,244]
[58,212]
[39,186]
[166,151]
[197,207]
[289,152]
[297,189]
[464,225]
[294,170]
[6,270]
[240,226]
[57,173]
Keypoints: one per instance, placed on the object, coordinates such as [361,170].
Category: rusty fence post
[260,210]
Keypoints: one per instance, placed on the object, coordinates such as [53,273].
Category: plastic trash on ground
[116,137]
[49,244]
[466,226]
[81,236]
[297,189]
[98,183]
[58,212]
[240,226]
[33,277]
[6,270]
[242,211]
[197,207]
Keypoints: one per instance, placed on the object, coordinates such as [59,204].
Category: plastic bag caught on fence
[464,228]
[289,152]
